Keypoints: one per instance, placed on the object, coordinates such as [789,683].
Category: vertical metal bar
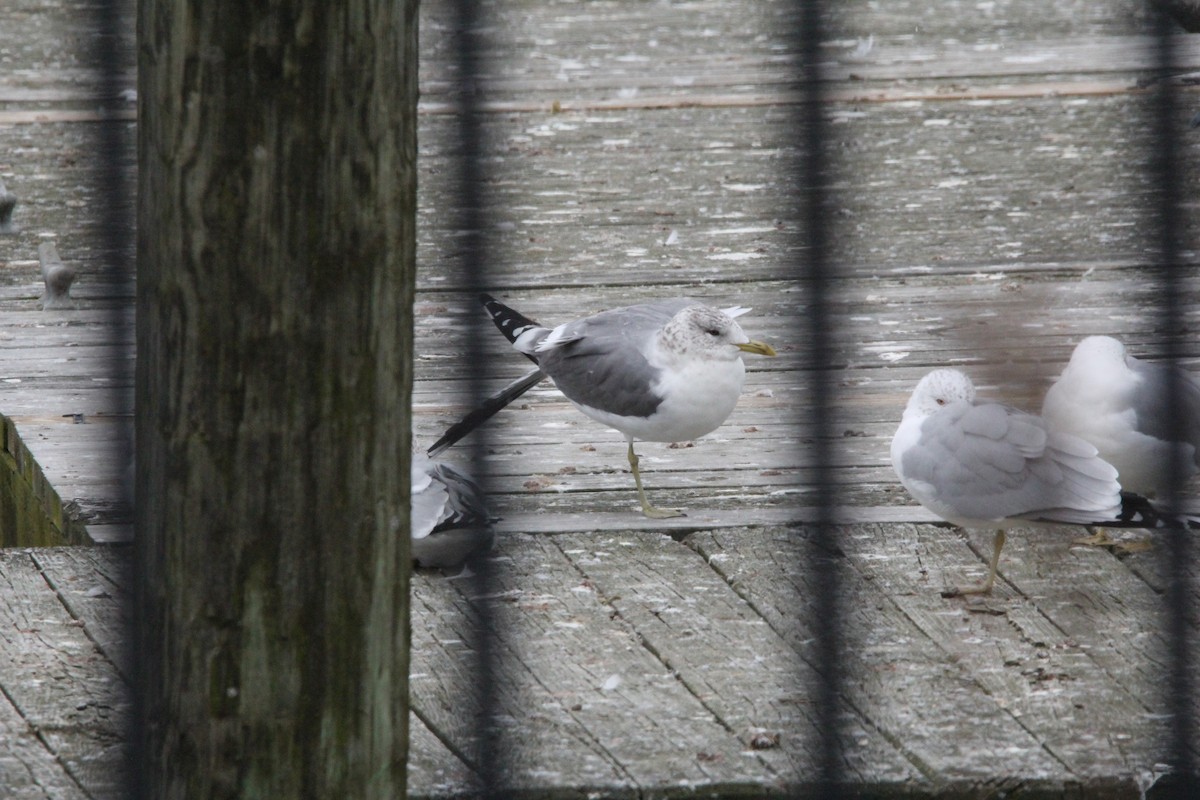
[470,202]
[114,207]
[815,274]
[1165,163]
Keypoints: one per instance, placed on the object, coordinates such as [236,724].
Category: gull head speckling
[704,332]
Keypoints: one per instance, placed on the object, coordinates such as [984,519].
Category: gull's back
[975,463]
[1120,405]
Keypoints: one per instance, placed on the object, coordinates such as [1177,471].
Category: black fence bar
[1164,164]
[111,183]
[109,176]
[470,204]
[815,273]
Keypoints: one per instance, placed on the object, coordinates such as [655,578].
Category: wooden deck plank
[627,722]
[901,678]
[725,654]
[1104,595]
[1031,665]
[93,584]
[694,73]
[1001,186]
[28,769]
[59,681]
[442,689]
[434,772]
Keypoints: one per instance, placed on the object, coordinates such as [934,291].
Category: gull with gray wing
[979,464]
[666,371]
[449,517]
[1121,405]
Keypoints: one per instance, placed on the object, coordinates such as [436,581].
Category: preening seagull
[667,371]
[979,464]
[1121,406]
[449,516]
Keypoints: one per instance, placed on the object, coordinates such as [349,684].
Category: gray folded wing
[449,515]
[990,462]
[600,361]
[1151,406]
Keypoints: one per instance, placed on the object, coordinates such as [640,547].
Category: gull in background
[1121,406]
[57,276]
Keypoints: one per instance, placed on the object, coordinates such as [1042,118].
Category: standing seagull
[1121,406]
[979,464]
[668,371]
[449,518]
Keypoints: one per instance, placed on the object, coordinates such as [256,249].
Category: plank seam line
[836,96]
[441,737]
[951,658]
[519,286]
[646,645]
[87,631]
[919,764]
[41,737]
[510,656]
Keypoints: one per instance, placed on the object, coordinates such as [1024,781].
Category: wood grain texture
[276,233]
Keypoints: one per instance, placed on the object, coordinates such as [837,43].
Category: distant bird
[1121,406]
[984,465]
[667,371]
[57,276]
[8,201]
[449,515]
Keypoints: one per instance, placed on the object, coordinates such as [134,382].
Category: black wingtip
[1139,512]
[486,411]
[510,322]
[485,298]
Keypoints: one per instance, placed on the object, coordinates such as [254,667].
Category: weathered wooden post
[276,229]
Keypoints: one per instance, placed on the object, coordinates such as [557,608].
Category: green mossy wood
[276,241]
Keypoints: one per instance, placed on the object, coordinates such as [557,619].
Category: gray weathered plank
[62,685]
[1023,651]
[93,584]
[577,682]
[726,654]
[28,769]
[906,681]
[434,772]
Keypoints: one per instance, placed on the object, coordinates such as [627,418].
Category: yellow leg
[1099,538]
[986,586]
[647,509]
